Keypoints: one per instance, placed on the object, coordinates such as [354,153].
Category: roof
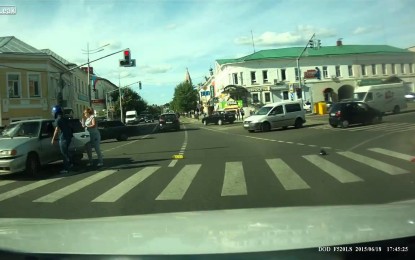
[294,52]
[11,44]
[56,56]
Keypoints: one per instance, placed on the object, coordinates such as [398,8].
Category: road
[225,167]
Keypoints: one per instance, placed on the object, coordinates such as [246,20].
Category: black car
[219,118]
[169,121]
[345,113]
[115,129]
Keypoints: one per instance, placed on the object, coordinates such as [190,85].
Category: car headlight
[8,152]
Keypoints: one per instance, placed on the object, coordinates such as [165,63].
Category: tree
[185,98]
[131,100]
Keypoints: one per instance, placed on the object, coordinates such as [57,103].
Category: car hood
[7,143]
[255,118]
[204,232]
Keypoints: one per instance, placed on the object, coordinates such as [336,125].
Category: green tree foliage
[185,98]
[131,100]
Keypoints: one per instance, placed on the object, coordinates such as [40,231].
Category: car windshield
[263,111]
[207,113]
[22,129]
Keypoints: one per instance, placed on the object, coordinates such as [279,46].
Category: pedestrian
[237,115]
[242,114]
[63,129]
[91,125]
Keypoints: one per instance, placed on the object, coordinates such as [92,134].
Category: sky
[166,37]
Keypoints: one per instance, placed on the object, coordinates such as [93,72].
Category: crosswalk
[234,177]
[382,127]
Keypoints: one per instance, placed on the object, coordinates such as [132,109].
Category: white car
[26,145]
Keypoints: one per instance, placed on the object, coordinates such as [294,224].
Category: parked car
[26,145]
[348,112]
[219,118]
[276,115]
[410,96]
[148,119]
[169,121]
[115,129]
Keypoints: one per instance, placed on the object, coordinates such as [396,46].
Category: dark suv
[169,121]
[219,118]
[345,113]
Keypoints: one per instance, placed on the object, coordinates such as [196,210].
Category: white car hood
[222,231]
[255,118]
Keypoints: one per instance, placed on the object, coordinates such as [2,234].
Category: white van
[384,97]
[131,117]
[276,115]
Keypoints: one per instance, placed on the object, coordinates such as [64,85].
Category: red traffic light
[126,53]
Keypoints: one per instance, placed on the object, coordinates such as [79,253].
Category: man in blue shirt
[64,130]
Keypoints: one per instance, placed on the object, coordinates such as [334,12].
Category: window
[34,89]
[411,68]
[13,83]
[255,98]
[369,96]
[283,75]
[338,71]
[253,77]
[277,111]
[373,69]
[384,69]
[242,78]
[292,108]
[403,68]
[235,78]
[265,76]
[325,72]
[79,85]
[267,97]
[350,70]
[393,68]
[363,70]
[285,95]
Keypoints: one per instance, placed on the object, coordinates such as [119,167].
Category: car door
[48,152]
[364,114]
[276,116]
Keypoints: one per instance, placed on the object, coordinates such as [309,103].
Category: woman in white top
[91,125]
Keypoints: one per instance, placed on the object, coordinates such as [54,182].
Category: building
[329,73]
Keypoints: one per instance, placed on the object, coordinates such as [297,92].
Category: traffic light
[311,43]
[127,57]
[139,85]
[318,44]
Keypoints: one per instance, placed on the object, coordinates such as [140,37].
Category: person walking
[90,123]
[242,114]
[237,115]
[63,129]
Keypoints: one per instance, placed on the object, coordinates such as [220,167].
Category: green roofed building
[329,74]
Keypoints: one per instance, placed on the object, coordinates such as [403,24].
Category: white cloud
[360,30]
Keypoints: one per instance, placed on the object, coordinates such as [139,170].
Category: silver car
[26,146]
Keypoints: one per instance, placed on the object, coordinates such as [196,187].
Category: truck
[383,97]
[131,117]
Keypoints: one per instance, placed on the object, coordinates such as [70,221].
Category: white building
[269,76]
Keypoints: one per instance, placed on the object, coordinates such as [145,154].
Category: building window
[34,85]
[283,75]
[255,97]
[325,72]
[253,77]
[393,68]
[265,76]
[350,70]
[403,68]
[373,69]
[411,68]
[338,71]
[384,69]
[363,70]
[242,78]
[285,95]
[235,78]
[79,85]
[267,97]
[13,83]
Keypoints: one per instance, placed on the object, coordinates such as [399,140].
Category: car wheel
[284,127]
[344,124]
[265,127]
[251,131]
[220,122]
[298,123]
[396,109]
[32,165]
[204,122]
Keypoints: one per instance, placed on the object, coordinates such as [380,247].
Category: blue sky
[168,36]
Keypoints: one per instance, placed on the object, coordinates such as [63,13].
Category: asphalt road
[225,167]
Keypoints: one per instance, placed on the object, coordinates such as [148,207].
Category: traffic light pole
[298,68]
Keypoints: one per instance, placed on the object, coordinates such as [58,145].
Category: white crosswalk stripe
[122,188]
[394,154]
[332,169]
[26,188]
[3,183]
[234,181]
[379,165]
[177,188]
[68,190]
[287,176]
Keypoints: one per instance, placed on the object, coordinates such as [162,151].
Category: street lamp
[88,51]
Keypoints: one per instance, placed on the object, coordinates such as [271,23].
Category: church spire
[187,77]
